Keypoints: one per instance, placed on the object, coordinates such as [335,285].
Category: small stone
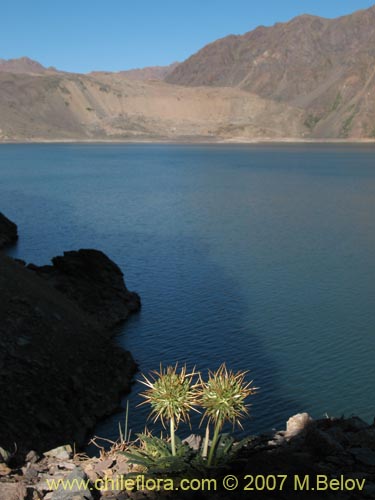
[60,453]
[4,469]
[45,482]
[277,440]
[194,441]
[32,457]
[30,473]
[4,455]
[297,425]
[66,465]
[53,468]
[76,479]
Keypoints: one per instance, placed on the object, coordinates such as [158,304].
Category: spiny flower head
[171,393]
[223,396]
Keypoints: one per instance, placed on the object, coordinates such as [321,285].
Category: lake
[262,256]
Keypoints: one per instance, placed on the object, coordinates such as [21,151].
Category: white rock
[297,424]
[4,455]
[60,453]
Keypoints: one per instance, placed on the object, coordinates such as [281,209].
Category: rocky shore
[8,231]
[60,369]
[336,455]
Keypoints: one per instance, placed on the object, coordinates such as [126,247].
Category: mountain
[148,73]
[21,65]
[65,106]
[309,78]
[324,66]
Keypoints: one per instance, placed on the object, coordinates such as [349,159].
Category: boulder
[60,453]
[297,425]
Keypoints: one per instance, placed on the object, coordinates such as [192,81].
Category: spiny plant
[171,394]
[222,397]
[154,454]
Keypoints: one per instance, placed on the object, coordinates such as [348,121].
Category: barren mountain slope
[70,106]
[22,65]
[308,78]
[148,73]
[324,66]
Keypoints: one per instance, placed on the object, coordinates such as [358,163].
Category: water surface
[260,256]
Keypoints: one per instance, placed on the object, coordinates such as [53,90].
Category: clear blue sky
[83,35]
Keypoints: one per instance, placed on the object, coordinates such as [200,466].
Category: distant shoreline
[202,141]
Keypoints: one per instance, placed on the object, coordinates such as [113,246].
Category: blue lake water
[260,256]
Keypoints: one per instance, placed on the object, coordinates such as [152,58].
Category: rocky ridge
[23,65]
[94,282]
[60,370]
[147,73]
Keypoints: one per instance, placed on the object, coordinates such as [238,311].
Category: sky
[81,35]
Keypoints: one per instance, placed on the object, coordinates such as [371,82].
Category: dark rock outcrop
[60,370]
[8,231]
[95,283]
[324,450]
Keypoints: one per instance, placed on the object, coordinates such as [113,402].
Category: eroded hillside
[324,66]
[310,78]
[106,106]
